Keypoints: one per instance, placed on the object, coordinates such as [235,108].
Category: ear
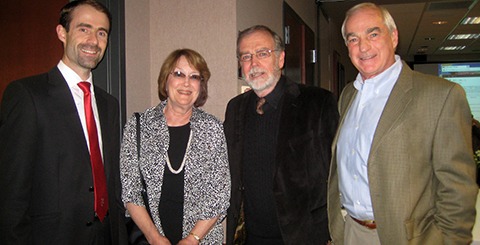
[61,33]
[281,60]
[394,37]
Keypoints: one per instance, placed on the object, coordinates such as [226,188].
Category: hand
[189,240]
[160,240]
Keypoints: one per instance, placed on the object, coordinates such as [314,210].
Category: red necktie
[99,180]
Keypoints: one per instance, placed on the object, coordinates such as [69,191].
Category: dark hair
[279,46]
[66,12]
[196,61]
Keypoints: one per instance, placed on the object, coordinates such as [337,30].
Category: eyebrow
[350,34]
[373,29]
[369,30]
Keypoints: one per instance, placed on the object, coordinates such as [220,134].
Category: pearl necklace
[184,158]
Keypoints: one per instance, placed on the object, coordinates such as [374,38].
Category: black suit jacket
[307,126]
[46,194]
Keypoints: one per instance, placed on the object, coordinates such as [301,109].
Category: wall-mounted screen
[465,74]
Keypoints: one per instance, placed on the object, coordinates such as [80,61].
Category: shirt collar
[71,76]
[274,97]
[389,74]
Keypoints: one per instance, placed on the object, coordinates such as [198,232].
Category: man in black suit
[47,190]
[279,154]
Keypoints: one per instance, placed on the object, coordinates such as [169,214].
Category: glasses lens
[263,54]
[196,78]
[178,74]
[245,57]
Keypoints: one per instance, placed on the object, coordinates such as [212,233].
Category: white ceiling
[418,36]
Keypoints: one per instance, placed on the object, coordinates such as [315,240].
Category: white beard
[259,84]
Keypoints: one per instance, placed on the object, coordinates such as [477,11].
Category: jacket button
[89,223]
[90,189]
[241,188]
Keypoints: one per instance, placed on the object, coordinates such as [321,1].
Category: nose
[364,45]
[254,60]
[93,38]
[186,82]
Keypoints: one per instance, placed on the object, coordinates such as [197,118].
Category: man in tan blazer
[402,171]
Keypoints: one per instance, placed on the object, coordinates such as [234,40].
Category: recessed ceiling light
[429,38]
[453,48]
[471,21]
[440,22]
[422,50]
[463,36]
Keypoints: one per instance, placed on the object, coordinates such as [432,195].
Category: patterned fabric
[207,176]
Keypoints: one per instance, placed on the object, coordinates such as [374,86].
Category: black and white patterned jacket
[207,175]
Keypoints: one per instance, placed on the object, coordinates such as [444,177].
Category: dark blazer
[46,194]
[307,126]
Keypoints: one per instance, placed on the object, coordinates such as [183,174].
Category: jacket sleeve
[455,170]
[129,168]
[215,179]
[18,145]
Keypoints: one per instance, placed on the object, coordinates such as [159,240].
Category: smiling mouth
[89,51]
[185,92]
[367,57]
[256,75]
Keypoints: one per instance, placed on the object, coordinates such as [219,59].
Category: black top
[171,200]
[261,133]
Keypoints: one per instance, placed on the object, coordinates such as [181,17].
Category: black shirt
[171,200]
[261,133]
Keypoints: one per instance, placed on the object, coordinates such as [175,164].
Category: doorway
[299,48]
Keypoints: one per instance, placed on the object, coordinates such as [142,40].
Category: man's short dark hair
[66,12]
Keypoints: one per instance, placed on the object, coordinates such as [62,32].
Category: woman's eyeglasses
[191,77]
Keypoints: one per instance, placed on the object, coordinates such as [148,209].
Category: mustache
[256,70]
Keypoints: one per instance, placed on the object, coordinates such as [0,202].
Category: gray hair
[386,16]
[279,46]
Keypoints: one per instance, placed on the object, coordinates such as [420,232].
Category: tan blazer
[420,168]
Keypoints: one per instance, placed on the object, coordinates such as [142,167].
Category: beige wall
[137,56]
[155,28]
[265,12]
[331,41]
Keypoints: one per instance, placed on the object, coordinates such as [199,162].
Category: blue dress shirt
[356,136]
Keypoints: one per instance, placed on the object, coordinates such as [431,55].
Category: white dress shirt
[73,79]
[355,140]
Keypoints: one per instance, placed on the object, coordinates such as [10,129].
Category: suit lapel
[109,124]
[345,101]
[104,125]
[239,125]
[241,118]
[398,100]
[288,119]
[288,114]
[64,104]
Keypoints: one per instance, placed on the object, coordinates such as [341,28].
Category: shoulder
[33,82]
[237,100]
[25,89]
[146,117]
[151,115]
[429,84]
[202,117]
[422,80]
[313,91]
[314,95]
[100,93]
